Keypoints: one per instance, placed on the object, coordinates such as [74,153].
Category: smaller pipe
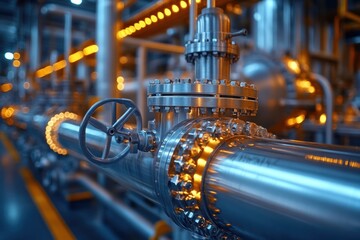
[211,4]
[140,74]
[161,47]
[192,20]
[143,226]
[328,101]
[67,47]
[61,10]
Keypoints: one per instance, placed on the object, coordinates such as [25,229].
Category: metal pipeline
[135,171]
[328,102]
[271,189]
[61,10]
[251,187]
[257,188]
[145,228]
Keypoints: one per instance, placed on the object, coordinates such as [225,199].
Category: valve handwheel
[116,129]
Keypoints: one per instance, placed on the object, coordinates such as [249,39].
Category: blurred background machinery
[147,119]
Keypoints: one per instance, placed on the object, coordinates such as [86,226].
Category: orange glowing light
[6,87]
[16,56]
[294,66]
[154,19]
[59,65]
[76,56]
[90,49]
[137,26]
[175,8]
[148,21]
[123,60]
[322,118]
[16,63]
[183,4]
[160,15]
[167,12]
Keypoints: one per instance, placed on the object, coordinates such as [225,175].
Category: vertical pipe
[107,54]
[328,101]
[210,4]
[140,73]
[67,47]
[35,40]
[192,20]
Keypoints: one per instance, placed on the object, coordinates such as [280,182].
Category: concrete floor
[20,217]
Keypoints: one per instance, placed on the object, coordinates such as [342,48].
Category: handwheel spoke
[113,115]
[97,124]
[121,121]
[106,150]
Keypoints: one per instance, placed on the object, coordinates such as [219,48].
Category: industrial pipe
[145,228]
[308,190]
[257,188]
[271,189]
[61,10]
[328,102]
[134,172]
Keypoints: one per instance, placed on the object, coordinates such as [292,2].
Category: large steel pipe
[271,189]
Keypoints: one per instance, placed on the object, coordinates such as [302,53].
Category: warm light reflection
[142,23]
[322,118]
[16,56]
[59,65]
[6,87]
[305,85]
[167,12]
[147,21]
[123,60]
[7,112]
[76,56]
[160,15]
[137,26]
[120,83]
[294,66]
[44,71]
[175,8]
[154,19]
[52,128]
[295,120]
[90,49]
[16,63]
[183,4]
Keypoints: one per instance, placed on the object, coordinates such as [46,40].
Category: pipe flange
[213,47]
[185,153]
[225,98]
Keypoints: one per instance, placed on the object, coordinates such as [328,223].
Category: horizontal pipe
[272,189]
[161,47]
[144,227]
[134,171]
[62,10]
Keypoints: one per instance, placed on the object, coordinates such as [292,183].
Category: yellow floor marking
[52,218]
[10,147]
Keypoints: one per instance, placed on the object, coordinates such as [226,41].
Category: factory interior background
[179,119]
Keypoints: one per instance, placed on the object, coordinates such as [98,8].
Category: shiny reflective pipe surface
[134,172]
[272,189]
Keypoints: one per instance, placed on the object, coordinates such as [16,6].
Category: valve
[116,130]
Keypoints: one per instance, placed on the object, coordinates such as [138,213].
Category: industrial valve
[131,139]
